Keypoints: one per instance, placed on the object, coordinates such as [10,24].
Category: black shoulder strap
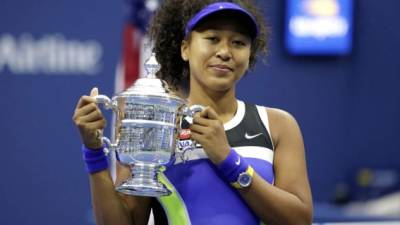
[250,131]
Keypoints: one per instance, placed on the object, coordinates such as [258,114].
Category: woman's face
[218,53]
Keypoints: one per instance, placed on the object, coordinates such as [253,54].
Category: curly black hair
[167,29]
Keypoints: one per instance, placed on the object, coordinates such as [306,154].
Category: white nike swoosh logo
[238,161]
[247,136]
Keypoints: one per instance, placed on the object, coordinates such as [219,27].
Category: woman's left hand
[208,130]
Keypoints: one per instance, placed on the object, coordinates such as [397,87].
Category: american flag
[135,49]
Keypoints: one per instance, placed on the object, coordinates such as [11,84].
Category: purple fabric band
[232,166]
[218,7]
[95,159]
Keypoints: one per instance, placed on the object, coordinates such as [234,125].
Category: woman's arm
[109,206]
[113,208]
[289,200]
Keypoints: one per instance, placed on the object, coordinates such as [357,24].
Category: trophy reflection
[147,121]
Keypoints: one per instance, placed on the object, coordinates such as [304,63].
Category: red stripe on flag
[132,39]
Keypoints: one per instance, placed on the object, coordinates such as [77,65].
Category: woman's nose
[224,52]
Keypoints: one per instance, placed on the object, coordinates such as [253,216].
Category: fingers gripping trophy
[148,118]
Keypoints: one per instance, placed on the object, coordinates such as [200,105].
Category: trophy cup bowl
[146,128]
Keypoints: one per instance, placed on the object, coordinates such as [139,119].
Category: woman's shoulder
[276,116]
[280,122]
[280,115]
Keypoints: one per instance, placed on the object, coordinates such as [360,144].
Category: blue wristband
[95,159]
[232,166]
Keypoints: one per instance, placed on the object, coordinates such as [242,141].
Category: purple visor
[221,7]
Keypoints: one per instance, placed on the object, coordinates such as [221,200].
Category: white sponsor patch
[184,145]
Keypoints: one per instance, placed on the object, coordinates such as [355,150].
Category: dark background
[348,107]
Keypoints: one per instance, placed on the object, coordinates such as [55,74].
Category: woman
[250,167]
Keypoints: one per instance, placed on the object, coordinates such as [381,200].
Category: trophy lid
[150,85]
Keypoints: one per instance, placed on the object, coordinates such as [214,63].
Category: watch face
[244,179]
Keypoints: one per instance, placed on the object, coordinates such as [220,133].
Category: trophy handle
[109,146]
[188,113]
[106,101]
[108,104]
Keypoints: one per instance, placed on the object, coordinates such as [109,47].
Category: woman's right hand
[89,120]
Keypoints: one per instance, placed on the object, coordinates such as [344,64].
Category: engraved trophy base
[144,182]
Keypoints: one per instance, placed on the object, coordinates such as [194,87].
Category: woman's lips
[222,68]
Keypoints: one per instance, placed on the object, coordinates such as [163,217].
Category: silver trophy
[147,124]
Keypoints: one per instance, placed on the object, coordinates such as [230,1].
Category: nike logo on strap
[248,137]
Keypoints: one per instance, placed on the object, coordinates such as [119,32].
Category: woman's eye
[212,39]
[239,43]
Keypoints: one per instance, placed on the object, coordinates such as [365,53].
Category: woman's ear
[185,50]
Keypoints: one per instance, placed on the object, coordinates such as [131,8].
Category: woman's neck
[224,103]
